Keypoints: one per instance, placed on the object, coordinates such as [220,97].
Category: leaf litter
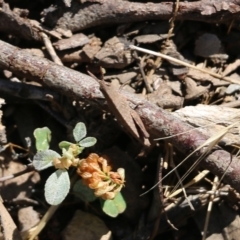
[199,61]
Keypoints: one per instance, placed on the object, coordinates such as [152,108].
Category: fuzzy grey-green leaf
[88,142]
[43,159]
[57,187]
[79,132]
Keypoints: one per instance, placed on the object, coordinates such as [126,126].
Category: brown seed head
[97,174]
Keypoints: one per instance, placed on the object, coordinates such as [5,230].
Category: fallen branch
[69,82]
[81,16]
[159,123]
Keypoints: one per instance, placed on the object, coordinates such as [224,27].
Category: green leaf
[79,132]
[57,187]
[64,144]
[43,138]
[83,192]
[115,206]
[43,159]
[88,142]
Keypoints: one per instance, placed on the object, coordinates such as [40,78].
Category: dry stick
[160,188]
[141,66]
[140,62]
[69,82]
[50,49]
[159,123]
[210,204]
[158,60]
[196,179]
[180,210]
[81,16]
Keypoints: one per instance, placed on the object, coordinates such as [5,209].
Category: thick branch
[63,79]
[158,122]
[81,16]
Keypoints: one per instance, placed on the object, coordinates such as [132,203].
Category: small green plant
[97,178]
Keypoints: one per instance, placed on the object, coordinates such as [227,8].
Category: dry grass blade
[178,176]
[196,179]
[183,63]
[209,209]
[209,144]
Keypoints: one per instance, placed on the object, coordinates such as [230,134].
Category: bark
[63,79]
[11,23]
[159,123]
[81,16]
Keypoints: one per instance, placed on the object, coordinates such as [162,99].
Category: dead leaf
[114,55]
[122,77]
[92,48]
[150,38]
[201,76]
[193,90]
[164,97]
[77,40]
[124,114]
